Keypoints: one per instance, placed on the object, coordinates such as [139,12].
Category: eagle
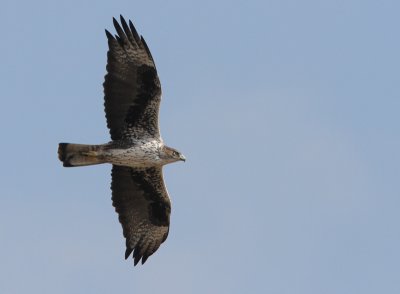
[132,96]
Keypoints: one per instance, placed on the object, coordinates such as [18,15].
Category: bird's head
[169,154]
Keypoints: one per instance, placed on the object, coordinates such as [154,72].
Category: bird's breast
[140,154]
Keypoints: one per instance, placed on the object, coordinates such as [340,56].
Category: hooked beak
[181,157]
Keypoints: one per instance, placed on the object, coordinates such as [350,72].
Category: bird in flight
[132,95]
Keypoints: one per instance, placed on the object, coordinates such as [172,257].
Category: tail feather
[79,154]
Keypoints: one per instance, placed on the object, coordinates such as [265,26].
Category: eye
[175,153]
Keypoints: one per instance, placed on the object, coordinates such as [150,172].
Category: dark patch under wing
[142,203]
[132,90]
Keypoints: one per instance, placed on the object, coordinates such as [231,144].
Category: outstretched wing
[142,203]
[132,90]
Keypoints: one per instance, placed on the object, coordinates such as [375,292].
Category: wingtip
[116,24]
[144,258]
[108,34]
[131,24]
[146,48]
[137,255]
[128,252]
[134,32]
[136,260]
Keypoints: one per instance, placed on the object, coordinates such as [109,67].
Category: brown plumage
[132,95]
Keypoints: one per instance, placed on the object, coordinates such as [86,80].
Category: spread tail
[79,154]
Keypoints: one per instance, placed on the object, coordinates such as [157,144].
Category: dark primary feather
[142,203]
[132,90]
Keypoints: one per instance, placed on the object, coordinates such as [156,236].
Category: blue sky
[288,113]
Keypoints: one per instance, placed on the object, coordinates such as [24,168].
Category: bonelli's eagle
[132,95]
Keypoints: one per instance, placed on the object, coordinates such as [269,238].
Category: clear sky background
[288,114]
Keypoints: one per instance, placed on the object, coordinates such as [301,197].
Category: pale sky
[287,112]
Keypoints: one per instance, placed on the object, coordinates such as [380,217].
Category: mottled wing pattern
[142,203]
[132,90]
